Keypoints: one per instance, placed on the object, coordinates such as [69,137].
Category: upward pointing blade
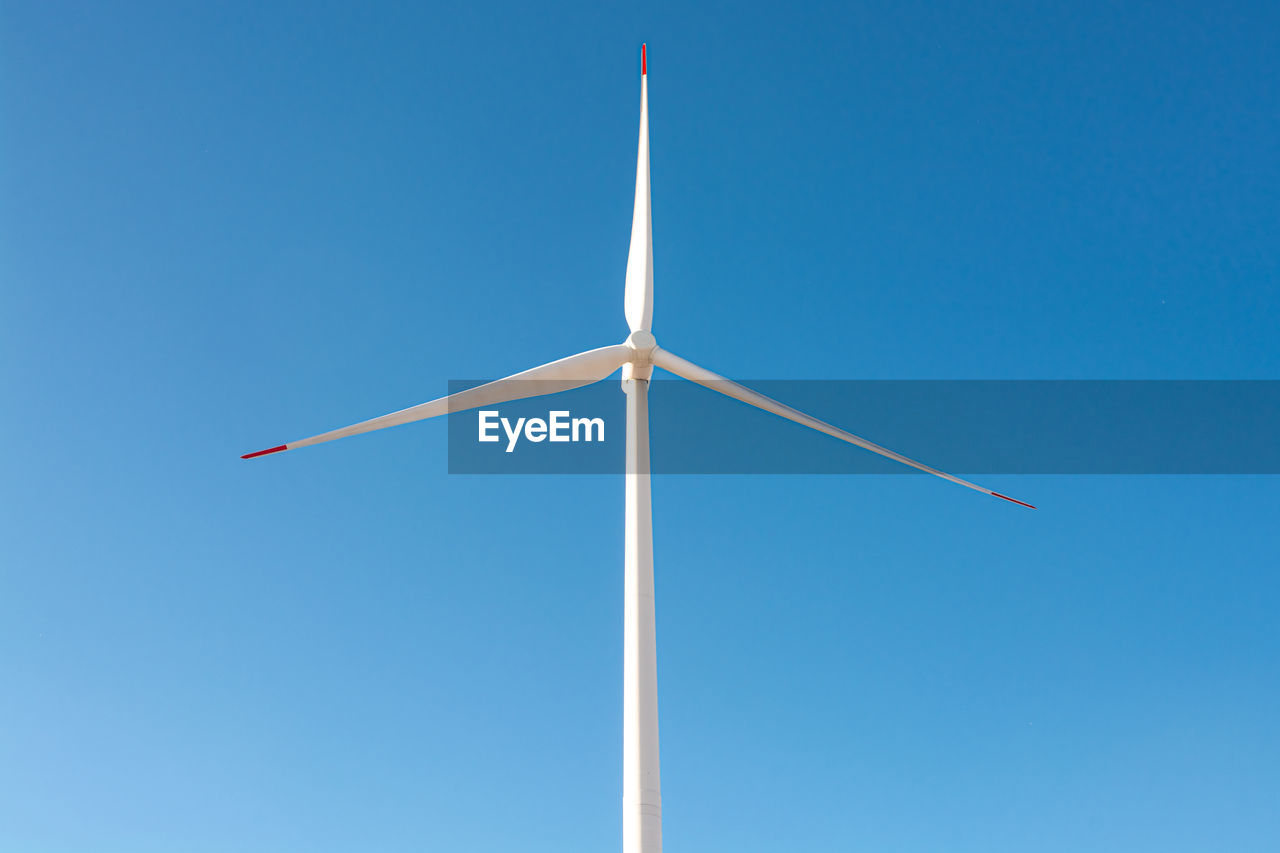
[638,302]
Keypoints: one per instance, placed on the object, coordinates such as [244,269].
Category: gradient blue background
[226,226]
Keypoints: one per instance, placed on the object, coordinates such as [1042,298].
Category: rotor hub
[642,345]
[642,341]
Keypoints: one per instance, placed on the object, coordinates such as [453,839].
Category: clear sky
[229,225]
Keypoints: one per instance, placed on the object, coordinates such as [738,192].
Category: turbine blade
[638,301]
[687,369]
[572,372]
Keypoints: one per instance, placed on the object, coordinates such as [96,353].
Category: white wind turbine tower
[637,356]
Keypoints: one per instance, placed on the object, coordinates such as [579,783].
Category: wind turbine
[637,356]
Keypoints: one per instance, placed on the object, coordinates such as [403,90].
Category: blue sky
[225,226]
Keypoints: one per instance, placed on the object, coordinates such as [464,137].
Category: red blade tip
[1014,500]
[644,62]
[265,452]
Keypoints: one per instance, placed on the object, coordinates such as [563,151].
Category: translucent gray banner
[963,427]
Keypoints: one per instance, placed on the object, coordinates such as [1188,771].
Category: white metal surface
[553,377]
[641,789]
[716,382]
[638,299]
